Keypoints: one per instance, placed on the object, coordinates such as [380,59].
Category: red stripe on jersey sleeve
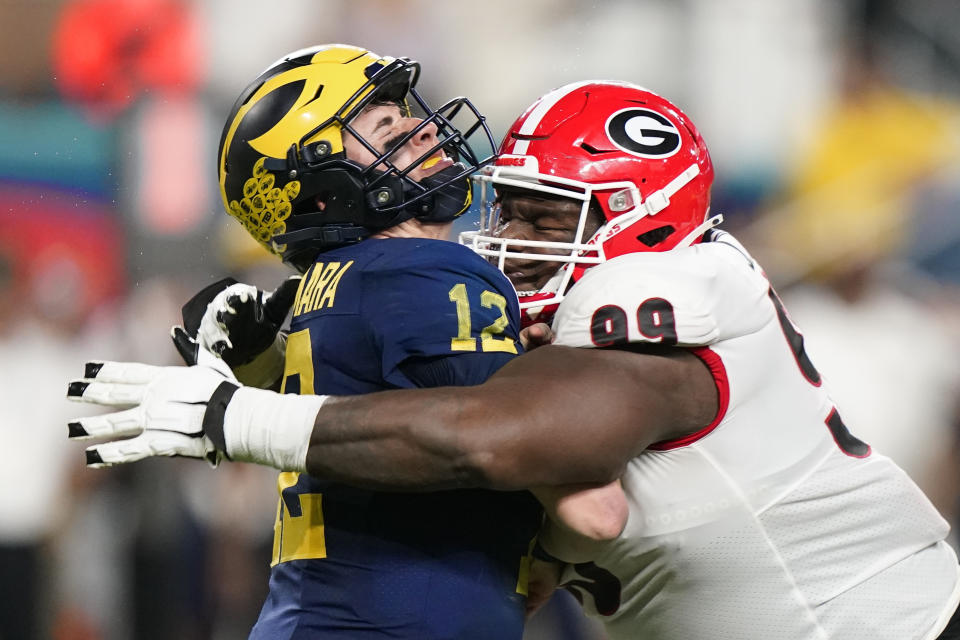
[719,373]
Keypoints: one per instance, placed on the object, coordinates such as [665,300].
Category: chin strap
[704,226]
[551,292]
[658,200]
[453,196]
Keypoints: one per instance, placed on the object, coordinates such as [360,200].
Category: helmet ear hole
[656,236]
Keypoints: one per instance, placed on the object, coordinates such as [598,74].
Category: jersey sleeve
[441,303]
[689,297]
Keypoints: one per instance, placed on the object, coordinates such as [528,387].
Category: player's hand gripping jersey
[773,522]
[350,563]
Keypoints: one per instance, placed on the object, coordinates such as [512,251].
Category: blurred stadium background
[835,131]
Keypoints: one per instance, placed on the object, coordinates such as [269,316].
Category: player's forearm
[399,441]
[385,441]
[409,440]
[482,436]
[438,439]
[527,426]
[557,416]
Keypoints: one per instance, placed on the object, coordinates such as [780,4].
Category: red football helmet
[617,144]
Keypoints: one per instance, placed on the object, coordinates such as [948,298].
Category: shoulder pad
[689,297]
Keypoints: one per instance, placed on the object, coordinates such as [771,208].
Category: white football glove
[166,411]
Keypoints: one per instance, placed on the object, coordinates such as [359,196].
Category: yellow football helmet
[282,148]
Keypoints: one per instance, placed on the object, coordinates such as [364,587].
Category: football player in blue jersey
[334,162]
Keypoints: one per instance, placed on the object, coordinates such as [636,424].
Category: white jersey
[773,522]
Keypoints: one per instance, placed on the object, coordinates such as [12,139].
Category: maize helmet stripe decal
[286,174]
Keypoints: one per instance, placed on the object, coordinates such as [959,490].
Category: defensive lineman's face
[533,216]
[383,126]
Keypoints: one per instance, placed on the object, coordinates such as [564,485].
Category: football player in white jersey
[753,511]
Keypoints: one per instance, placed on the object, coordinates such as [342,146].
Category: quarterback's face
[534,217]
[383,126]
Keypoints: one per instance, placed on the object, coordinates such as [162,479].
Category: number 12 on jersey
[464,340]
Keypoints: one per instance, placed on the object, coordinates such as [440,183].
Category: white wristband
[270,428]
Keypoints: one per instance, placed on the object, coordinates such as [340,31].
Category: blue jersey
[351,563]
